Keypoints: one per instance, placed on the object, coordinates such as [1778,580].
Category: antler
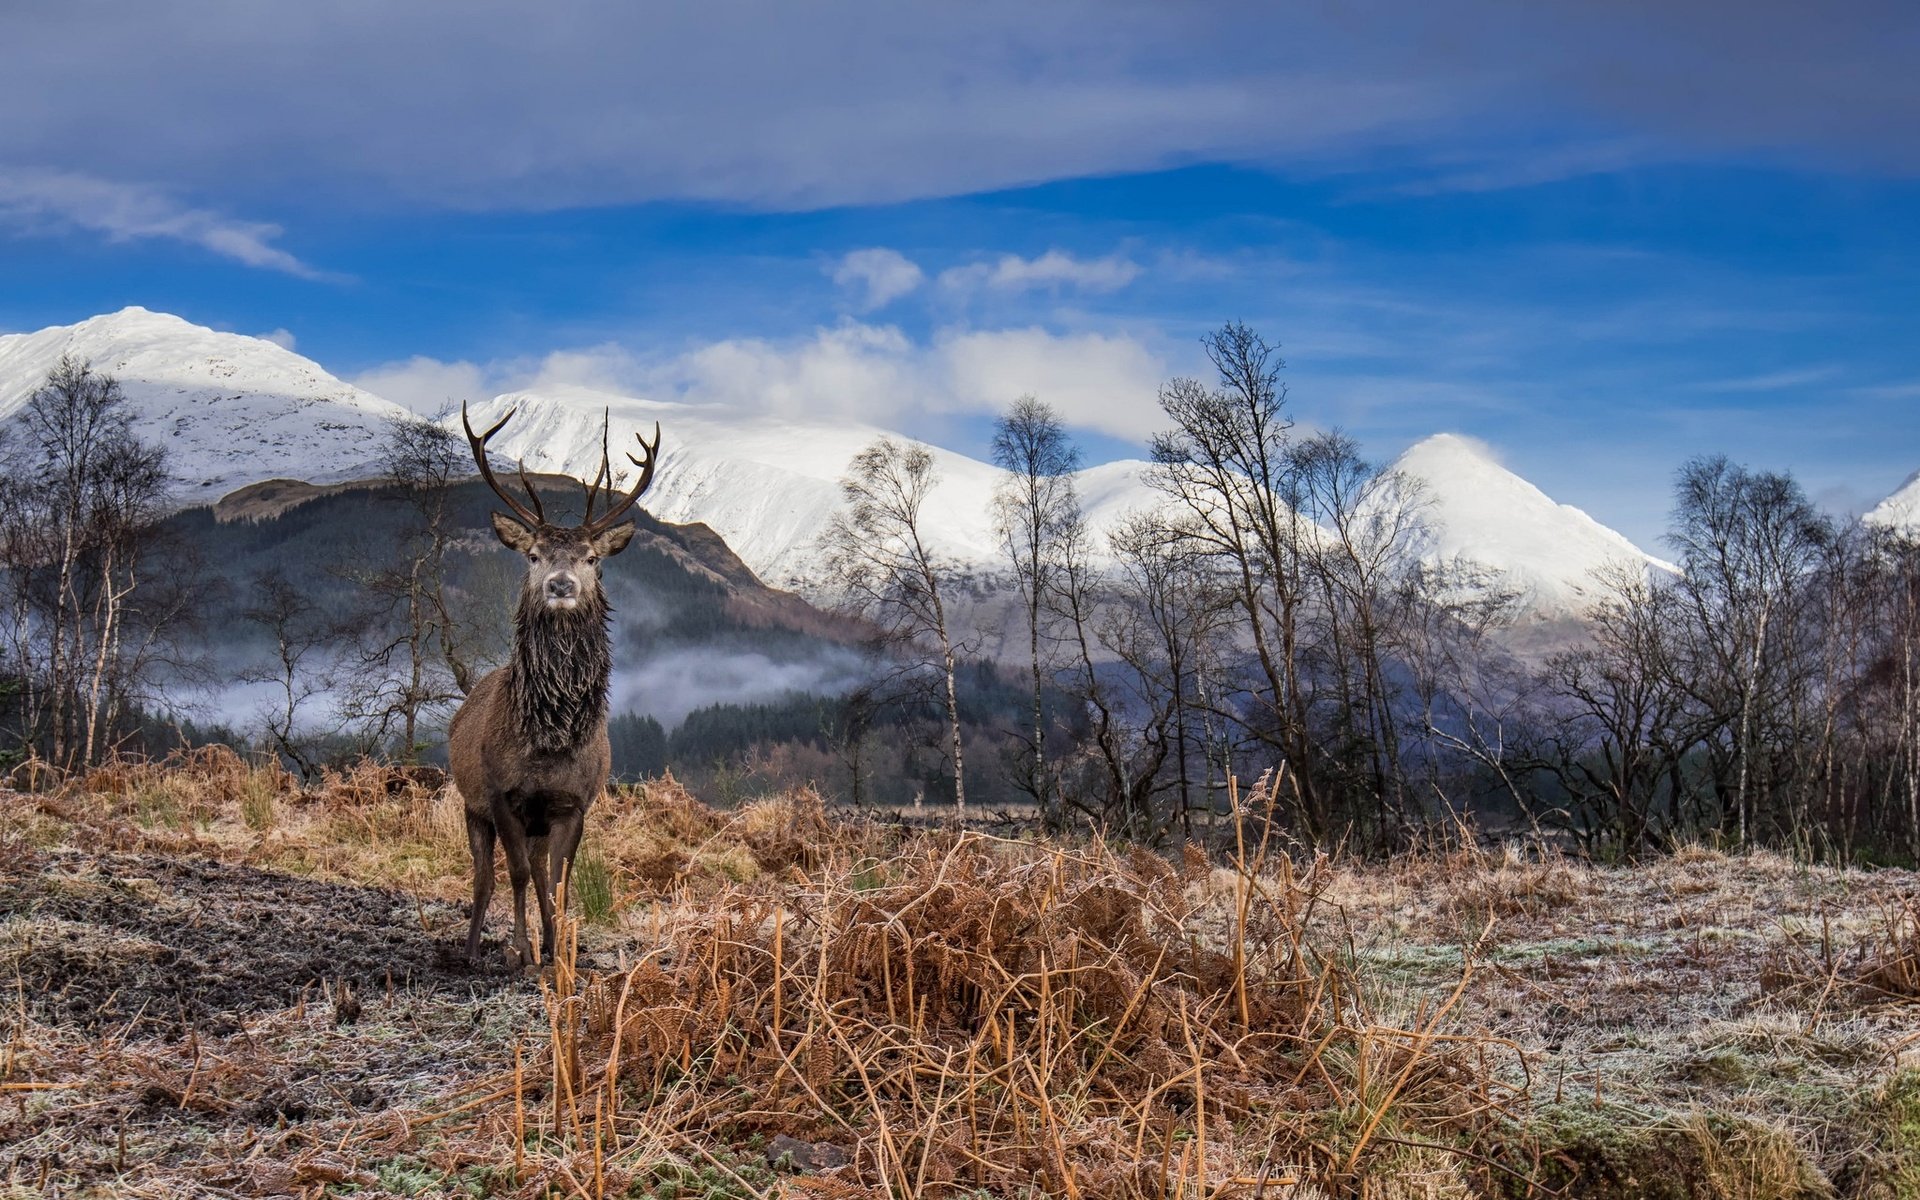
[535,516]
[604,473]
[596,524]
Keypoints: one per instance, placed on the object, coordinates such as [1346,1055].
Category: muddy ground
[159,947]
[210,1025]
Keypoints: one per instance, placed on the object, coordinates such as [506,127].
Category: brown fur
[528,747]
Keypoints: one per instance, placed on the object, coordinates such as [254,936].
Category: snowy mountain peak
[1480,511]
[234,410]
[768,485]
[230,409]
[1901,509]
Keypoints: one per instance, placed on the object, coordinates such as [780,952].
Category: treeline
[1276,611]
[865,747]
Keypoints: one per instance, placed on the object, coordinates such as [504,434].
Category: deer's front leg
[513,839]
[543,892]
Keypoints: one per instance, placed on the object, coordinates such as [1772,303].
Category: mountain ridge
[1480,510]
[1900,509]
[238,412]
[231,410]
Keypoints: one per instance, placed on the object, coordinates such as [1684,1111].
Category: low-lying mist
[669,686]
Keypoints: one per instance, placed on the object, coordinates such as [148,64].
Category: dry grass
[986,1017]
[773,1000]
[1872,963]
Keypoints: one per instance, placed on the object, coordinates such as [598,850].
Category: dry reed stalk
[519,1117]
[995,1015]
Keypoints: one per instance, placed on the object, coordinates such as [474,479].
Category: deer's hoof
[518,959]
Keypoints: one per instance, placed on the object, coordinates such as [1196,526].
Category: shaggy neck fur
[557,683]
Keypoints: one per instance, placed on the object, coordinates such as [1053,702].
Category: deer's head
[563,561]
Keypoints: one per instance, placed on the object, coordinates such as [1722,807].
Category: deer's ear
[613,541]
[513,535]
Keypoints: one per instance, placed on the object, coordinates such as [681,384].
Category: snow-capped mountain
[231,410]
[235,410]
[1478,510]
[1901,510]
[769,485]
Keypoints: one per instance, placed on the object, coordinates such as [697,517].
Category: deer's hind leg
[480,839]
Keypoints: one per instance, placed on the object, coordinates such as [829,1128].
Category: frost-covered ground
[224,987]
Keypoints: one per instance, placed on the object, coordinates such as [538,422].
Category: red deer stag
[529,746]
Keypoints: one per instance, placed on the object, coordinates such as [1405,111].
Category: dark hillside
[713,670]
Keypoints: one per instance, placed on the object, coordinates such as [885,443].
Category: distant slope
[230,409]
[1901,509]
[1480,511]
[769,485]
[679,594]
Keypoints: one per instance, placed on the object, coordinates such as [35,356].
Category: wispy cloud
[36,199]
[879,274]
[1909,390]
[1550,165]
[1775,381]
[1055,269]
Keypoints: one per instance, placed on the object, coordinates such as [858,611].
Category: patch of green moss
[1605,1152]
[1610,1152]
[1888,1118]
[737,1180]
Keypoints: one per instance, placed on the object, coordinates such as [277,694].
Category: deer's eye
[533,558]
[592,559]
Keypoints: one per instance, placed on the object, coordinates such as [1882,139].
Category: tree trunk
[953,723]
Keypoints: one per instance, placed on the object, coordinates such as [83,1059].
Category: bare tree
[85,498]
[300,638]
[1035,511]
[1225,465]
[1166,608]
[1363,567]
[1748,540]
[414,658]
[877,553]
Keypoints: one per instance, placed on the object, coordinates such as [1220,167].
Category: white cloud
[1104,382]
[864,371]
[282,338]
[884,275]
[428,385]
[1055,269]
[872,373]
[34,199]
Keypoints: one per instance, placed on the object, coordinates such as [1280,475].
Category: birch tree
[85,497]
[1036,512]
[878,555]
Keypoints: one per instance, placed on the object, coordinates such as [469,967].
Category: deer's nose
[561,587]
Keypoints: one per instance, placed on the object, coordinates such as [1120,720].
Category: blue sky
[1601,238]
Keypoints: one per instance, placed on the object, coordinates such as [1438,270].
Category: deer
[528,747]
